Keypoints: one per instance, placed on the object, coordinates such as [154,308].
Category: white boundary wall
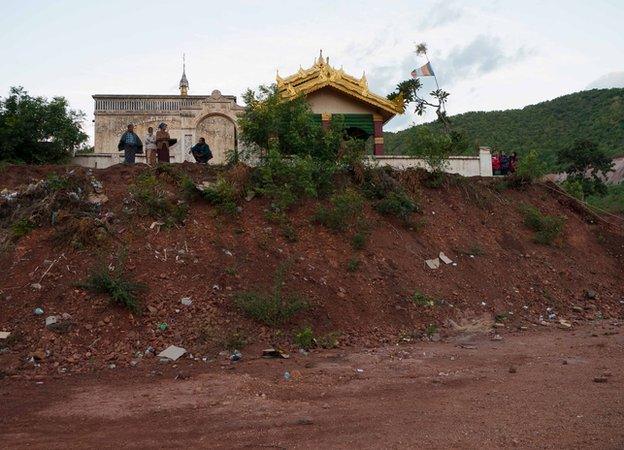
[104,160]
[468,166]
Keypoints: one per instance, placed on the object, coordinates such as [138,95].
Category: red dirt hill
[212,257]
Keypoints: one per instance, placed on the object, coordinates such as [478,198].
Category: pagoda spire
[184,84]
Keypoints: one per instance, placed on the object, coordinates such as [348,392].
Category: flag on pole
[424,71]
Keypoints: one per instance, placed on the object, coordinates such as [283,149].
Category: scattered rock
[512,369]
[38,311]
[97,199]
[236,356]
[433,263]
[600,379]
[36,286]
[273,353]
[38,354]
[305,421]
[172,353]
[5,334]
[591,294]
[445,259]
[577,309]
[186,301]
[564,324]
[497,337]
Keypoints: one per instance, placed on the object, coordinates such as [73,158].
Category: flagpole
[435,78]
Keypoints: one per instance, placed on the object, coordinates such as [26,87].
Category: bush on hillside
[547,228]
[530,168]
[115,284]
[271,308]
[153,200]
[345,208]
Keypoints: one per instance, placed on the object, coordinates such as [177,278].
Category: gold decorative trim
[321,75]
[379,140]
[377,117]
[325,117]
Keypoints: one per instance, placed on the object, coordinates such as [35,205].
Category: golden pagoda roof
[321,75]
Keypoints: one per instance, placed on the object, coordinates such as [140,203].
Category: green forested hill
[597,114]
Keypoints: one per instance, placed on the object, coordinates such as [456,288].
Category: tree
[408,90]
[37,130]
[585,162]
[287,125]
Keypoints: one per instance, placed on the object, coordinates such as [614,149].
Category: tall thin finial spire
[184,84]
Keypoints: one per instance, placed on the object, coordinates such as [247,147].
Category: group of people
[157,146]
[503,164]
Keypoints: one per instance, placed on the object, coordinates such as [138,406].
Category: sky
[489,55]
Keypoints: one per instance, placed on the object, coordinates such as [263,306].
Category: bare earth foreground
[531,389]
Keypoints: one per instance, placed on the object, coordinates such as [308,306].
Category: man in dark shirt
[201,151]
[130,144]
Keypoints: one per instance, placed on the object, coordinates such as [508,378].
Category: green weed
[21,228]
[272,308]
[423,300]
[353,265]
[114,283]
[546,228]
[305,339]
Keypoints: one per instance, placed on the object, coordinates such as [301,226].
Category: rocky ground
[544,388]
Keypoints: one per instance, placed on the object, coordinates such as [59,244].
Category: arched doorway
[220,134]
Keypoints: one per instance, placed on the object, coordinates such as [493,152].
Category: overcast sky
[487,54]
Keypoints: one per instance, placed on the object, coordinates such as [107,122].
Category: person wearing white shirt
[150,147]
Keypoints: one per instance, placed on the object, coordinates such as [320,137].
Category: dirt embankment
[365,297]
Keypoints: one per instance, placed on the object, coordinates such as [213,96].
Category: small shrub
[289,232]
[421,299]
[329,340]
[354,265]
[398,204]
[56,183]
[431,329]
[188,188]
[358,241]
[230,270]
[530,168]
[153,200]
[434,180]
[272,308]
[222,194]
[234,340]
[305,339]
[168,171]
[346,207]
[500,318]
[114,283]
[574,188]
[546,228]
[21,228]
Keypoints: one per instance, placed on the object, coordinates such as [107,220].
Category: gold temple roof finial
[320,60]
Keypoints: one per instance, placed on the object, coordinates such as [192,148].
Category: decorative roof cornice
[321,75]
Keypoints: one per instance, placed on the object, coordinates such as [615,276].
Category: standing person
[504,164]
[513,162]
[201,151]
[150,147]
[496,164]
[130,144]
[162,143]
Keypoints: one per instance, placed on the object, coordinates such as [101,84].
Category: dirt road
[533,389]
